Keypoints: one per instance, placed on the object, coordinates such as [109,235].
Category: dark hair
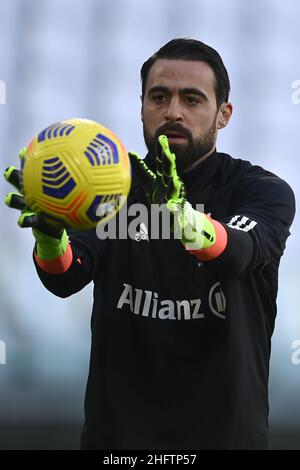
[191,49]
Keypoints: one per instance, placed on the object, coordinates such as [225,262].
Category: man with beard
[181,327]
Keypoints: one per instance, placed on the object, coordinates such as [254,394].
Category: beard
[186,153]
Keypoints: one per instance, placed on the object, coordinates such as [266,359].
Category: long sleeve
[259,227]
[88,256]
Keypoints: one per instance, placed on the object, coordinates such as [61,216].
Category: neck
[200,160]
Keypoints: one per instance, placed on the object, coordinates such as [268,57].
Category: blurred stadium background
[81,58]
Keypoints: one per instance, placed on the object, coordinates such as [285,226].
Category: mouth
[175,136]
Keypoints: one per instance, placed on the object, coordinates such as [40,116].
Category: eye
[158,98]
[191,100]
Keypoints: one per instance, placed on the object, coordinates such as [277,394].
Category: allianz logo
[147,304]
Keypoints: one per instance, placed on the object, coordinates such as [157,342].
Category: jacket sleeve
[89,253]
[259,226]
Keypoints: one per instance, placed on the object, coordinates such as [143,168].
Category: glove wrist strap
[48,248]
[195,229]
[201,235]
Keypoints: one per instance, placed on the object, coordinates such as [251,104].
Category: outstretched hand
[16,200]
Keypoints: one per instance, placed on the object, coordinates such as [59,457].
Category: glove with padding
[193,228]
[51,239]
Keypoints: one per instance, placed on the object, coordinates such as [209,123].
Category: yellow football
[77,172]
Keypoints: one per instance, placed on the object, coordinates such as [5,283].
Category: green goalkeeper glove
[193,228]
[51,240]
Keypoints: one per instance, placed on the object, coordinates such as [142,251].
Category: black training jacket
[180,349]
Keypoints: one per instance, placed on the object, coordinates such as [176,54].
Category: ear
[224,115]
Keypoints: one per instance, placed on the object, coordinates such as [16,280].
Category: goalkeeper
[181,327]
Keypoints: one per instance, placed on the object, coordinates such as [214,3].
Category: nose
[174,111]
